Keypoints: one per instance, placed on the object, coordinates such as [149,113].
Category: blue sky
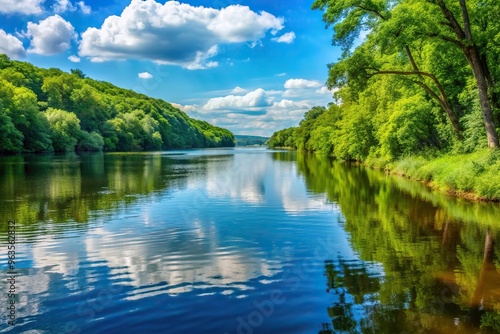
[251,66]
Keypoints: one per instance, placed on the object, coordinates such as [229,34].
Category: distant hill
[47,110]
[244,140]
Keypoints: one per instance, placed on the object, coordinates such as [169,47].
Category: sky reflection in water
[240,241]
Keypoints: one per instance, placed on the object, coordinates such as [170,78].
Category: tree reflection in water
[439,258]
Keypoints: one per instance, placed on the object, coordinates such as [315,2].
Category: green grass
[475,175]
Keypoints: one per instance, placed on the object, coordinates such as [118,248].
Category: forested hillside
[416,78]
[245,140]
[45,110]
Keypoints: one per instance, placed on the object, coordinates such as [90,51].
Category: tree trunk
[472,54]
[488,265]
[479,69]
[482,87]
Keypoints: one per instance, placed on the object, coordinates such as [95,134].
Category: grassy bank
[475,176]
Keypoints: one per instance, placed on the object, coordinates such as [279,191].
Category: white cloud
[254,99]
[241,114]
[174,33]
[74,59]
[50,36]
[145,75]
[186,108]
[289,104]
[261,112]
[301,83]
[280,115]
[21,6]
[238,90]
[325,90]
[83,7]
[240,24]
[11,45]
[281,74]
[62,6]
[302,87]
[287,38]
[201,59]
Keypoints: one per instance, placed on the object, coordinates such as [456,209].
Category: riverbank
[475,176]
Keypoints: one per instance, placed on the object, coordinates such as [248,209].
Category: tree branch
[410,57]
[428,90]
[374,11]
[402,73]
[442,100]
[465,18]
[451,18]
[448,39]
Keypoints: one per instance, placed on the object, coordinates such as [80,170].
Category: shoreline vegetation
[473,176]
[48,110]
[416,93]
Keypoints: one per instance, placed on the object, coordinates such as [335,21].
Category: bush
[90,142]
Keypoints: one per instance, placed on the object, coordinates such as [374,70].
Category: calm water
[241,241]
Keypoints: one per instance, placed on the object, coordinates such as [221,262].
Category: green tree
[20,105]
[123,119]
[64,129]
[77,72]
[11,140]
[90,141]
[396,30]
[408,128]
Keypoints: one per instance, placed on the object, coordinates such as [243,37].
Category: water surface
[241,241]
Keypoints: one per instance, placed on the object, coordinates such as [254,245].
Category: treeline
[46,110]
[245,140]
[424,79]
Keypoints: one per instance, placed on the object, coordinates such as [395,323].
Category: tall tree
[411,23]
[458,26]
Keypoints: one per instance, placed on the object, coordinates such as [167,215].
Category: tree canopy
[415,76]
[45,110]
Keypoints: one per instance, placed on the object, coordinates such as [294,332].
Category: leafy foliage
[44,110]
[244,140]
[416,77]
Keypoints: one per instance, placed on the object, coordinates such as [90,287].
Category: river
[239,240]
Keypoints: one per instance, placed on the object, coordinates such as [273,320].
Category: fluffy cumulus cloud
[289,104]
[11,45]
[261,112]
[175,33]
[238,90]
[255,99]
[21,6]
[74,59]
[301,83]
[50,36]
[304,88]
[145,75]
[281,114]
[186,108]
[287,38]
